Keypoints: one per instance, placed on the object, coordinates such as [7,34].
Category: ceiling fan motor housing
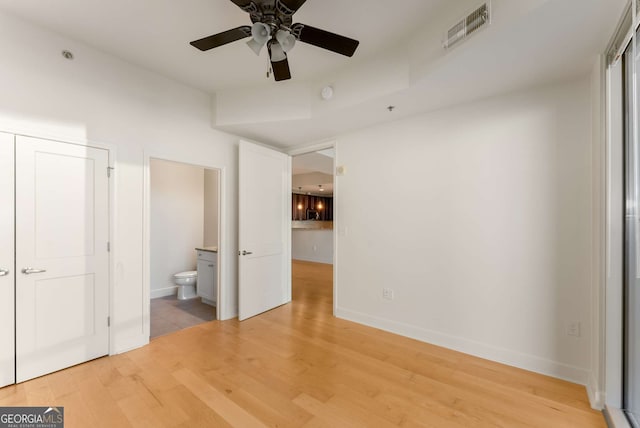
[277,16]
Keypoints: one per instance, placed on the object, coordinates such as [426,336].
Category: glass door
[631,376]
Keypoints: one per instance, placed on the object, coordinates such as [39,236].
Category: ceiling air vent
[474,21]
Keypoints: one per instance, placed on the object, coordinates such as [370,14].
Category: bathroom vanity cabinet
[207,286]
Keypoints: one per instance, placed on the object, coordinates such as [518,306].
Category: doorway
[312,234]
[184,230]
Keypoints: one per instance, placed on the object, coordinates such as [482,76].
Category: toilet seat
[187,274]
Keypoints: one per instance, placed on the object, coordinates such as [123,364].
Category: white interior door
[62,294]
[7,272]
[264,229]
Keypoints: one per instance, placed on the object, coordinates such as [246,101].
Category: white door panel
[7,326]
[62,230]
[264,229]
[72,209]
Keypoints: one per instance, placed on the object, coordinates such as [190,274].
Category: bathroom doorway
[184,236]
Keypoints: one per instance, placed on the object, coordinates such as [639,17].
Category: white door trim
[614,238]
[7,260]
[297,151]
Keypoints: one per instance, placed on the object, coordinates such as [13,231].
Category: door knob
[4,272]
[246,253]
[30,270]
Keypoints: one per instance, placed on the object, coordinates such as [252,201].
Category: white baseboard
[596,396]
[229,315]
[164,292]
[478,349]
[129,343]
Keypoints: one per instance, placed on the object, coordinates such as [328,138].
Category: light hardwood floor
[298,366]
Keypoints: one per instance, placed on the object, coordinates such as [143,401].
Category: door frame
[112,151]
[8,249]
[223,311]
[331,144]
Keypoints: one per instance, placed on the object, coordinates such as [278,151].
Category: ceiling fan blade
[324,39]
[281,70]
[289,7]
[223,38]
[242,4]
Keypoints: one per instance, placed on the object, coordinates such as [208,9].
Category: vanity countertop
[209,249]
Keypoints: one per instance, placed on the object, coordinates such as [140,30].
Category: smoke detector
[326,93]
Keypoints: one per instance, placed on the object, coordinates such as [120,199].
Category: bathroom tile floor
[168,314]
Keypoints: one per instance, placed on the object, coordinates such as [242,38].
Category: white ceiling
[155,34]
[312,171]
[321,161]
[400,60]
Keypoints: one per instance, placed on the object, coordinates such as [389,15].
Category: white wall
[312,245]
[211,197]
[177,222]
[485,230]
[137,114]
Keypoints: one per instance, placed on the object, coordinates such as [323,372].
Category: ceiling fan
[273,26]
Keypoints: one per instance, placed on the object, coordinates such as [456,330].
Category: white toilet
[186,282]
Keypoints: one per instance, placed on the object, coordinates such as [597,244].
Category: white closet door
[7,326]
[62,295]
[264,229]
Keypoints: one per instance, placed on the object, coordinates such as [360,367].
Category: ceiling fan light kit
[256,47]
[260,32]
[286,40]
[277,52]
[273,25]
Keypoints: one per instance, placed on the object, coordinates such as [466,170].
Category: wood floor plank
[298,366]
[252,392]
[182,408]
[103,408]
[138,413]
[217,401]
[328,416]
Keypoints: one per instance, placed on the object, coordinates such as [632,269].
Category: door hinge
[108,321]
[108,246]
[109,169]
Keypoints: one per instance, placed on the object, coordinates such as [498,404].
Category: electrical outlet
[387,293]
[574,329]
[315,248]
